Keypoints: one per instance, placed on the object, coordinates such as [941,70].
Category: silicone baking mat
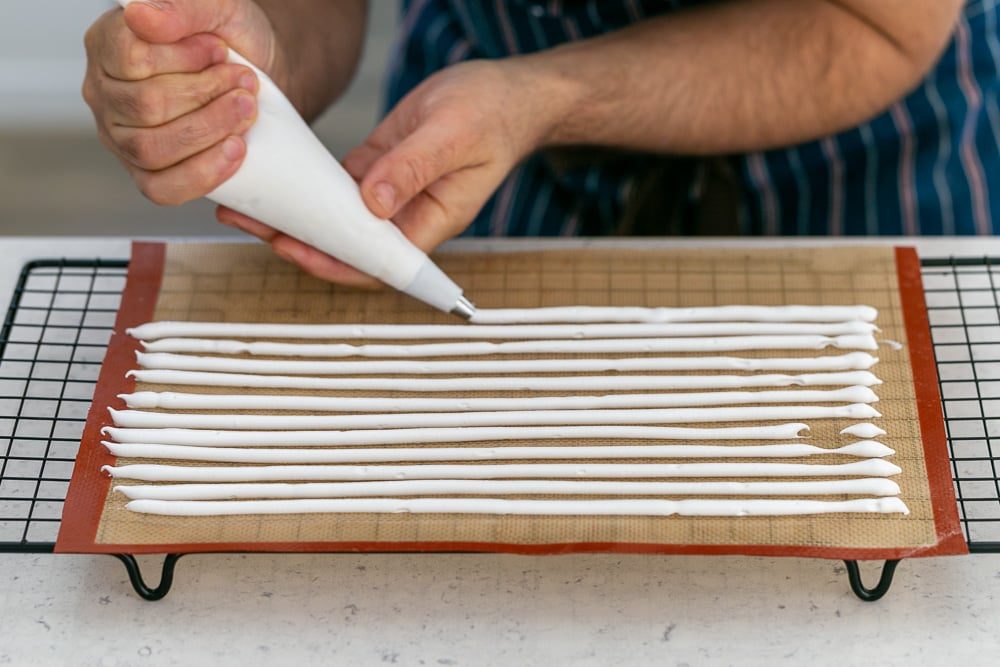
[246,283]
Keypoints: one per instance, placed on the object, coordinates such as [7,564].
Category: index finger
[121,55]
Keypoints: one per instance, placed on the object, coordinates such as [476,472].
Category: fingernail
[248,82]
[232,148]
[385,195]
[246,105]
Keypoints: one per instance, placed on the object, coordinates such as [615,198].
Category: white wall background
[42,61]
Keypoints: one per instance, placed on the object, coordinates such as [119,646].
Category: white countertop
[490,609]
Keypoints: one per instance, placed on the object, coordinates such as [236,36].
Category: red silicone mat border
[88,487]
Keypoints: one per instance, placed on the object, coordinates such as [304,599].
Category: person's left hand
[433,162]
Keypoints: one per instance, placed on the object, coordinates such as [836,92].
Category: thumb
[407,169]
[241,23]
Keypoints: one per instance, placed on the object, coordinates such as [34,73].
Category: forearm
[740,75]
[318,47]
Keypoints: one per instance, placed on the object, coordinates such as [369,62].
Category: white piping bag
[290,181]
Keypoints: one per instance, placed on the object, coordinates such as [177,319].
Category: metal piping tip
[464,309]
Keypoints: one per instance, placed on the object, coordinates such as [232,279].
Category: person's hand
[435,159]
[165,102]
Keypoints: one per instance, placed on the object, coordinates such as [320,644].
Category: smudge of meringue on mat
[141,419]
[866,431]
[863,449]
[160,330]
[873,486]
[606,507]
[841,362]
[179,401]
[409,436]
[286,473]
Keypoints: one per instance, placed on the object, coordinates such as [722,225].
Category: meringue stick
[141,419]
[479,348]
[642,507]
[842,362]
[176,401]
[410,436]
[700,314]
[166,330]
[864,449]
[508,383]
[872,486]
[170,473]
[866,431]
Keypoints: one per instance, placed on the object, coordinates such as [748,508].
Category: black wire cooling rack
[964,311]
[62,314]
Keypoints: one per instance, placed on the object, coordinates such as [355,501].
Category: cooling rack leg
[135,576]
[881,588]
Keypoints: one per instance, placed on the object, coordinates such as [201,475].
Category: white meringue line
[507,382]
[838,362]
[163,330]
[180,401]
[695,507]
[862,449]
[410,436]
[141,419]
[699,314]
[171,473]
[875,486]
[479,348]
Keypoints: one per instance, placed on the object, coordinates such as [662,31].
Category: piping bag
[290,181]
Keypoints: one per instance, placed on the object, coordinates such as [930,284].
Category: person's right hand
[165,101]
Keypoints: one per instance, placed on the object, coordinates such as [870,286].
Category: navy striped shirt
[929,165]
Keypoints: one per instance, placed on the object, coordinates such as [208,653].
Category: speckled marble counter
[489,609]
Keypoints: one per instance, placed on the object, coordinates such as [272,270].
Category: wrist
[554,95]
[279,63]
[302,73]
[294,75]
